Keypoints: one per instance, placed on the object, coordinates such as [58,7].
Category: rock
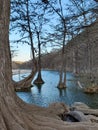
[91,90]
[78,105]
[84,108]
[75,116]
[92,118]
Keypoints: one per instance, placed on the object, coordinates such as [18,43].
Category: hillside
[21,65]
[80,52]
[16,64]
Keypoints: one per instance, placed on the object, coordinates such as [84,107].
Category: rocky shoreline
[78,112]
[91,90]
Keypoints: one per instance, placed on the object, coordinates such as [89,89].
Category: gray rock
[79,105]
[75,116]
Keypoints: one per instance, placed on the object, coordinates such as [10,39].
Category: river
[48,93]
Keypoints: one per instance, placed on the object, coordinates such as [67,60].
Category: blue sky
[22,50]
[23,53]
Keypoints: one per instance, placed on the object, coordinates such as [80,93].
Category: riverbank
[20,71]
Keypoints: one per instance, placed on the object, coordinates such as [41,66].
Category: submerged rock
[91,90]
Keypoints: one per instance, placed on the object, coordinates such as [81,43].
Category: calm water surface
[48,92]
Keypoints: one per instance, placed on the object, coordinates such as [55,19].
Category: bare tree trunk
[39,79]
[62,81]
[75,61]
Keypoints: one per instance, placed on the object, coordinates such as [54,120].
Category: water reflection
[39,86]
[47,93]
[62,92]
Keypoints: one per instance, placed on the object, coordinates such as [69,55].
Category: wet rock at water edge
[74,116]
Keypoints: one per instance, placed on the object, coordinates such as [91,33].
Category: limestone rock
[76,116]
[92,118]
[91,90]
[77,105]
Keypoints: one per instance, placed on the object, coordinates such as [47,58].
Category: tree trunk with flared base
[25,84]
[39,79]
[62,81]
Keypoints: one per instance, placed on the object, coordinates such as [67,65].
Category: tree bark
[39,79]
[25,84]
[62,81]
